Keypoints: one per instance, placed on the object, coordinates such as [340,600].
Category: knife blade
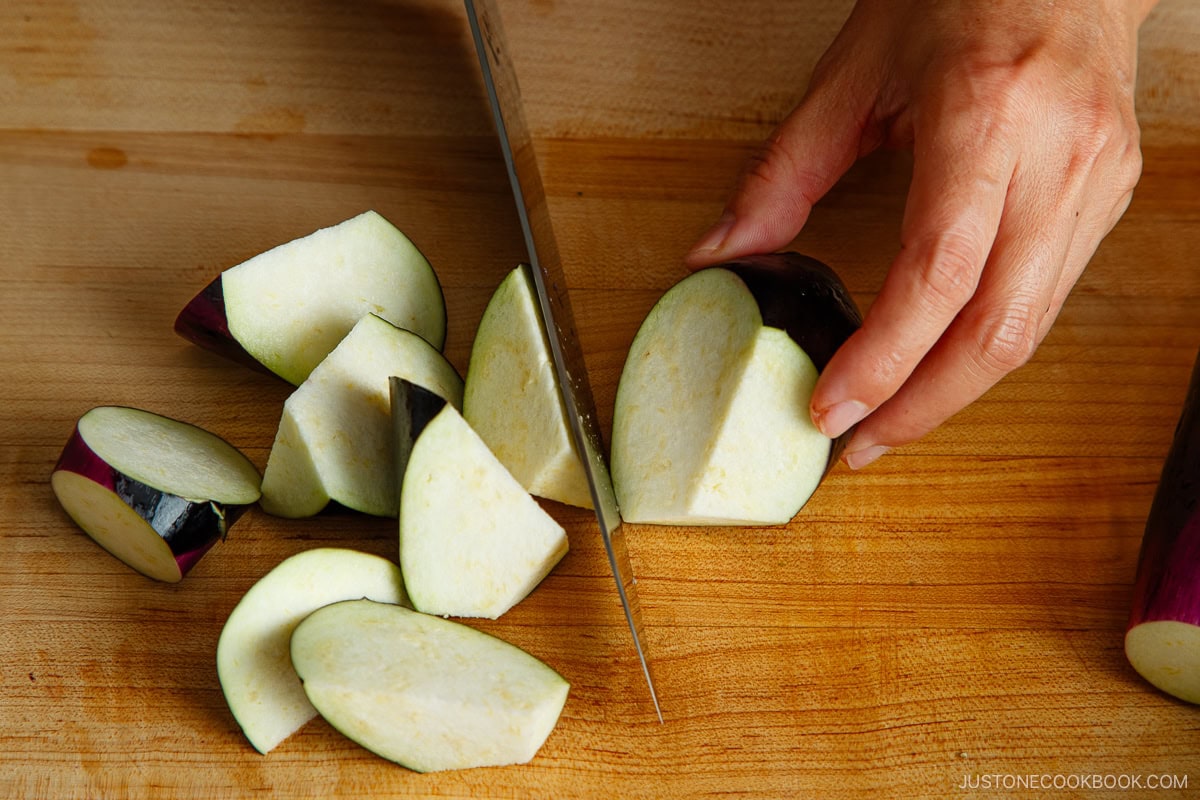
[546,269]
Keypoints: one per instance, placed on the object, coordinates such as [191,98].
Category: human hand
[1026,151]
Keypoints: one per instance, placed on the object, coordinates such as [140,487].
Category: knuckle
[760,166]
[776,163]
[1105,132]
[1099,145]
[773,168]
[1129,170]
[1096,124]
[949,272]
[1007,339]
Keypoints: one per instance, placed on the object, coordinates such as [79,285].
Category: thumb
[811,149]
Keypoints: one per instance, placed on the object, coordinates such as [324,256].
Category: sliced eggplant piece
[334,440]
[807,299]
[203,322]
[254,663]
[413,407]
[512,398]
[473,541]
[155,492]
[802,296]
[287,308]
[425,692]
[711,424]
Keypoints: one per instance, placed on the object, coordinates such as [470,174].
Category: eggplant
[1162,639]
[511,395]
[473,541]
[284,310]
[808,300]
[425,692]
[334,440]
[253,664]
[802,296]
[711,424]
[413,407]
[155,492]
[203,322]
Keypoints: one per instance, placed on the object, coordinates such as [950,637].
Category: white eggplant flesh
[512,397]
[711,424]
[334,440]
[155,492]
[287,308]
[425,692]
[473,541]
[254,664]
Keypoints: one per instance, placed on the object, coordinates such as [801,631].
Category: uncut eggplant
[155,492]
[1162,640]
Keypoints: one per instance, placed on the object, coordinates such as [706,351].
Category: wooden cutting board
[951,616]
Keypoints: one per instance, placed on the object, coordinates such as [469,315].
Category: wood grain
[956,610]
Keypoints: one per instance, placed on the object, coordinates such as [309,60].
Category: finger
[812,148]
[1021,291]
[1061,229]
[956,199]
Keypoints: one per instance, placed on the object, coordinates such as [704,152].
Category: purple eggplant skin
[803,297]
[190,528]
[203,322]
[808,300]
[413,407]
[1167,583]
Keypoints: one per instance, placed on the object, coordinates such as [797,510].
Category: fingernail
[861,458]
[840,417]
[715,236]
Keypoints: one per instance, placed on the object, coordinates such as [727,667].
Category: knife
[546,267]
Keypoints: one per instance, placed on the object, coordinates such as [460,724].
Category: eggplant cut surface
[155,492]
